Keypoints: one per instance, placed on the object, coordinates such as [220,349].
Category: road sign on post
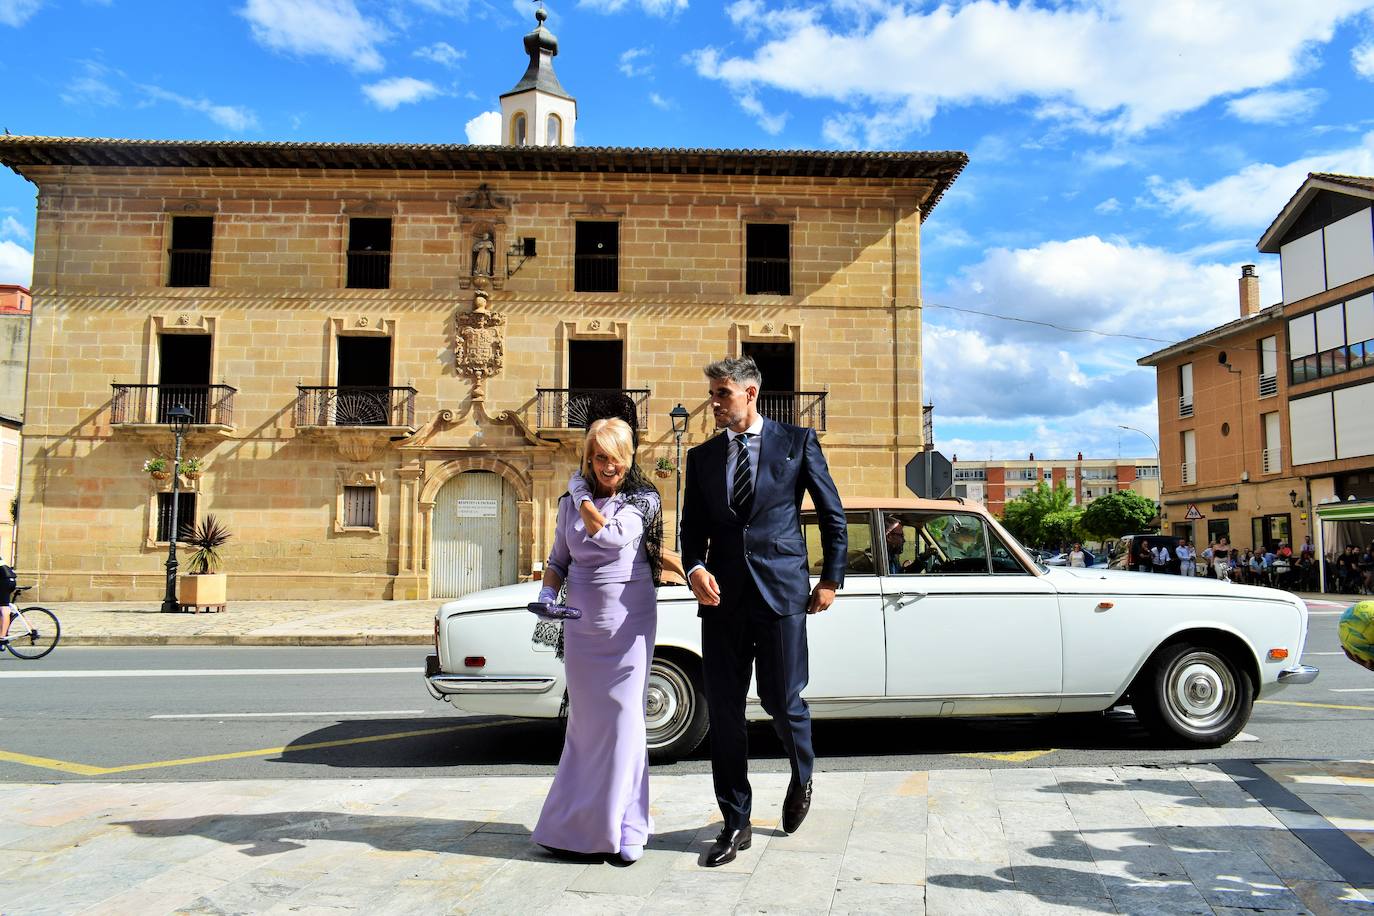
[929,475]
[1192,515]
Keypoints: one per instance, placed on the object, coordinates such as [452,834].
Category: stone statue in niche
[483,255]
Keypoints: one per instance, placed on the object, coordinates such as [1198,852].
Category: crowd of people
[1277,565]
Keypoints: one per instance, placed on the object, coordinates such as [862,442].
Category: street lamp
[679,417]
[180,418]
[1147,436]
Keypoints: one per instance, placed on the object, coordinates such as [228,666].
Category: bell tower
[538,111]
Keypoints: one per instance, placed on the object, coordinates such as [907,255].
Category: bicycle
[34,631]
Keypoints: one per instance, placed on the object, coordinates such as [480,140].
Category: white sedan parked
[954,618]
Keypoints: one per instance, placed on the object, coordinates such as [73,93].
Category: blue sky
[1125,156]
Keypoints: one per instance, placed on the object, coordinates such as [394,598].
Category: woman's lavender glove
[548,595]
[578,488]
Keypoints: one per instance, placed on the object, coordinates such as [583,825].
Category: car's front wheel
[675,708]
[1192,695]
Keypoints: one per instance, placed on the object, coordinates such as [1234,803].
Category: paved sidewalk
[250,623]
[1171,840]
[289,623]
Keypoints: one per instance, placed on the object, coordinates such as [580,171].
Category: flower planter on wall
[202,591]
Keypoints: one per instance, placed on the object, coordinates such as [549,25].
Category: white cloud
[92,87]
[1362,59]
[747,15]
[771,122]
[333,29]
[231,117]
[444,7]
[1110,205]
[485,129]
[1268,107]
[12,228]
[652,7]
[18,12]
[1252,197]
[389,94]
[441,53]
[1111,65]
[628,65]
[1094,431]
[16,264]
[660,102]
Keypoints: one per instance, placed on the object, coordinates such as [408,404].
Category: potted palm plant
[204,585]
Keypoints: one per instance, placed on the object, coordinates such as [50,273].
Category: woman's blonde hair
[611,436]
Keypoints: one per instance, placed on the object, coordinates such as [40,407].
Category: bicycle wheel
[42,634]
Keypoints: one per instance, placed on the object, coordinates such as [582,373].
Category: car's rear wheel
[675,708]
[1197,696]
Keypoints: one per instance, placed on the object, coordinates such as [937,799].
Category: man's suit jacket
[767,546]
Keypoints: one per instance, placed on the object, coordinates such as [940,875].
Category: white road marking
[1245,736]
[208,672]
[1351,689]
[1324,613]
[1305,654]
[266,715]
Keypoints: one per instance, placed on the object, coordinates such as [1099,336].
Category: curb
[247,639]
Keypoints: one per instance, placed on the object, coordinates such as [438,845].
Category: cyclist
[8,581]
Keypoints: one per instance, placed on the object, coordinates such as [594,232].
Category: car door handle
[906,599]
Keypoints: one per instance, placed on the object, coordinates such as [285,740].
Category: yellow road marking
[82,769]
[1315,705]
[1013,756]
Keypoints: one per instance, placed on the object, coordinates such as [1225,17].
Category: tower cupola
[538,111]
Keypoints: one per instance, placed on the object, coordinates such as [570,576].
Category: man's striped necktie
[742,488]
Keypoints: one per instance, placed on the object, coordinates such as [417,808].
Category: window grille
[360,507]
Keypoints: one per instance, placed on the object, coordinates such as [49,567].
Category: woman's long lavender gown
[599,801]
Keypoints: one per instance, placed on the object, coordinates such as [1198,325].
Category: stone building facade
[409,438]
[15,308]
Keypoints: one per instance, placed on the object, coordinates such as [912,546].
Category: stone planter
[208,590]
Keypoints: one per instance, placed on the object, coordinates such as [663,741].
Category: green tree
[1042,516]
[1123,512]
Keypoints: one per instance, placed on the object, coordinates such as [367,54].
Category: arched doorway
[475,532]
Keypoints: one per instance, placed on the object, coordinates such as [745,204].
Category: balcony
[1268,386]
[596,273]
[188,267]
[355,406]
[575,408]
[767,276]
[144,407]
[1189,472]
[1185,407]
[1272,460]
[799,408]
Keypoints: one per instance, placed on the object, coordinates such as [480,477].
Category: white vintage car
[955,618]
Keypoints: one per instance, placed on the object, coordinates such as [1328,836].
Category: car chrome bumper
[447,684]
[1303,674]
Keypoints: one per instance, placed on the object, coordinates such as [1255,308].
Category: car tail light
[436,634]
[1277,655]
[475,661]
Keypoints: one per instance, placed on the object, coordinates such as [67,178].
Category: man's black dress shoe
[795,805]
[727,845]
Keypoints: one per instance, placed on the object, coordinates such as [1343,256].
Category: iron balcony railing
[596,273]
[1268,385]
[369,269]
[1185,407]
[188,267]
[768,276]
[209,404]
[575,408]
[1272,460]
[354,405]
[800,408]
[1189,472]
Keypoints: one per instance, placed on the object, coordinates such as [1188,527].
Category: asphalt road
[265,713]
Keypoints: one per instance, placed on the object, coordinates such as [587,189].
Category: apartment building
[995,483]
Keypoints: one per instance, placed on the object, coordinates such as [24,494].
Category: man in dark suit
[743,547]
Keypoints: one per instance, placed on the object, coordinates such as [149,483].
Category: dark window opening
[596,260]
[767,259]
[360,507]
[364,379]
[596,373]
[777,363]
[369,253]
[189,255]
[186,515]
[184,375]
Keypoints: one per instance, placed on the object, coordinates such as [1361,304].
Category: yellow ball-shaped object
[1357,633]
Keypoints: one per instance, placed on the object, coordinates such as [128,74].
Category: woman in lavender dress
[605,549]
